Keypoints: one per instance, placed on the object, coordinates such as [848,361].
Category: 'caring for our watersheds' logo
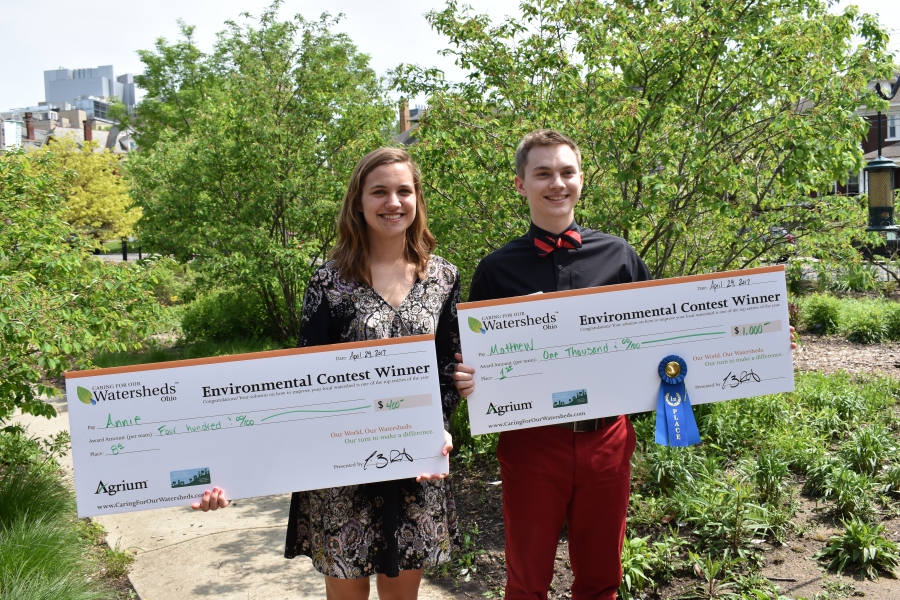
[115,488]
[85,395]
[166,392]
[476,326]
[511,321]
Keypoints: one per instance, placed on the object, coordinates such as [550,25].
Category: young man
[578,473]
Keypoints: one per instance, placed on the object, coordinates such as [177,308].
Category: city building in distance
[90,86]
[76,104]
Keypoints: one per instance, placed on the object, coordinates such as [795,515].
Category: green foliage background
[702,125]
[57,304]
[246,153]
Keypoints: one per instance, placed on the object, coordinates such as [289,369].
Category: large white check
[158,435]
[584,354]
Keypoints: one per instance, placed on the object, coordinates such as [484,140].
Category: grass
[42,555]
[41,559]
[46,553]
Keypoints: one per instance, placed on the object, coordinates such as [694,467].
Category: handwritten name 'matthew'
[512,347]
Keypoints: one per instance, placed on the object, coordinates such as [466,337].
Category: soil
[829,354]
[791,566]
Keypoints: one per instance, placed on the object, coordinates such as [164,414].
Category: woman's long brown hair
[351,251]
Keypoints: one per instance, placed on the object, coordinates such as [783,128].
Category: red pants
[551,475]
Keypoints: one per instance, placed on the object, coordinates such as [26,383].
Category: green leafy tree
[98,199]
[57,304]
[118,114]
[708,128]
[246,152]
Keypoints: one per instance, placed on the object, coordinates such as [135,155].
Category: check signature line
[522,375]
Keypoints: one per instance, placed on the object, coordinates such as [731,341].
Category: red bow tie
[545,244]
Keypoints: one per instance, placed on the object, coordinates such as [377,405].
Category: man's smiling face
[552,184]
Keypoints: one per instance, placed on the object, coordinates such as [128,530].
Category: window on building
[893,127]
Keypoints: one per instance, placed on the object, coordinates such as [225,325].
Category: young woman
[381,282]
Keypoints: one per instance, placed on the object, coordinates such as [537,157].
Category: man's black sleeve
[639,268]
[482,287]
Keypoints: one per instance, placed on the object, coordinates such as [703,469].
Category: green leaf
[475,325]
[84,394]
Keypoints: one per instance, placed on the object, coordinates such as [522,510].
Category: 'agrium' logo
[510,321]
[113,489]
[85,395]
[502,409]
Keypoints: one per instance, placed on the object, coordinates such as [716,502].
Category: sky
[59,33]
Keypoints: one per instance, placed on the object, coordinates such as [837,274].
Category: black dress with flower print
[359,530]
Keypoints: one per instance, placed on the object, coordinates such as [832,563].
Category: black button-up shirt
[517,270]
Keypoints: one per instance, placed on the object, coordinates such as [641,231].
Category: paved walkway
[132,257]
[231,554]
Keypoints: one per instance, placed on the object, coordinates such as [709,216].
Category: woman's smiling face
[388,201]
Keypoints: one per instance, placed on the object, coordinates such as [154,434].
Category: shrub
[724,518]
[822,314]
[861,548]
[30,491]
[817,475]
[829,423]
[669,467]
[866,448]
[867,328]
[770,475]
[794,276]
[892,321]
[223,315]
[856,278]
[174,282]
[18,449]
[850,491]
[890,480]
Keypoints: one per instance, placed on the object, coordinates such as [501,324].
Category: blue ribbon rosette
[675,424]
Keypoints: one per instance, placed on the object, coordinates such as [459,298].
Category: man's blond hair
[542,137]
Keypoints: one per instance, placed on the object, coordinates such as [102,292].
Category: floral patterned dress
[386,527]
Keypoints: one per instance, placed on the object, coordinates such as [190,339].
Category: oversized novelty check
[596,352]
[158,435]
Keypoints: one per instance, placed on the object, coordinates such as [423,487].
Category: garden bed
[788,528]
